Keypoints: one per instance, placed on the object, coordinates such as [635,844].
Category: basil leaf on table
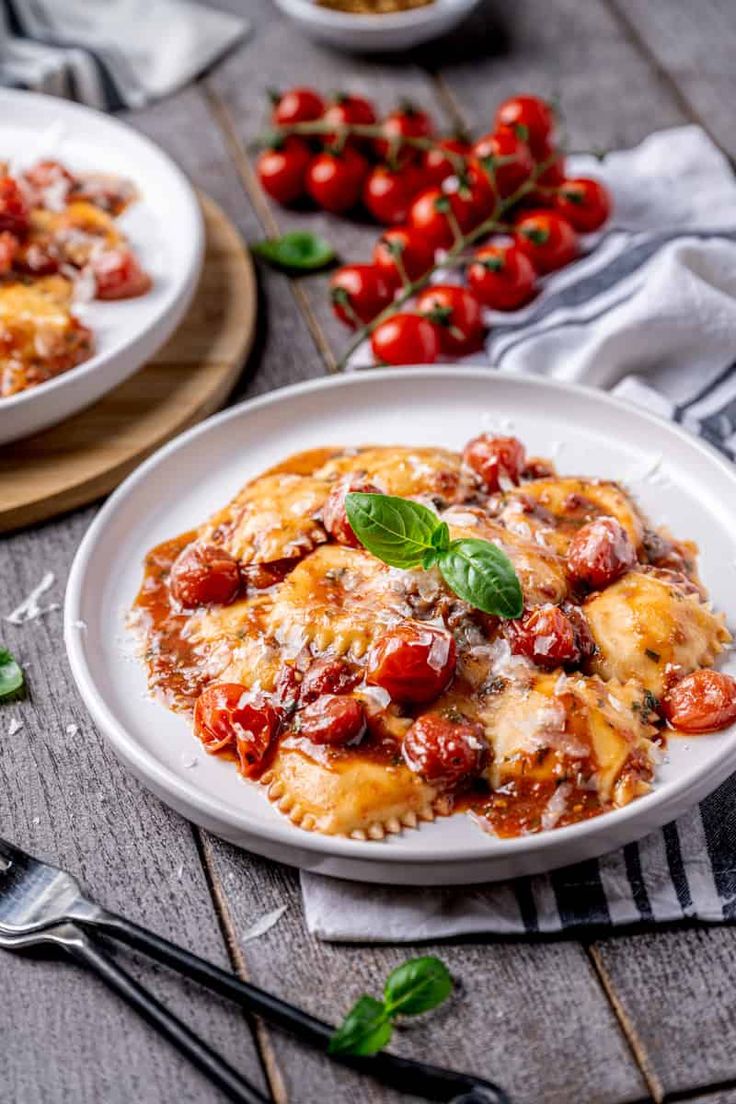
[298,251]
[396,530]
[11,676]
[417,986]
[483,575]
[365,1030]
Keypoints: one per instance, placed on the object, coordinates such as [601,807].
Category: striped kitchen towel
[650,312]
[112,54]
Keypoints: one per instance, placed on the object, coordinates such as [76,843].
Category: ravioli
[420,704]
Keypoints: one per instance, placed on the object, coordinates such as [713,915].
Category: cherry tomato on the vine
[405,339]
[415,253]
[495,459]
[585,203]
[704,701]
[334,180]
[548,240]
[297,105]
[430,214]
[388,193]
[457,313]
[204,575]
[444,752]
[282,170]
[436,165]
[511,162]
[347,110]
[413,661]
[600,552]
[334,516]
[502,277]
[533,114]
[405,122]
[359,292]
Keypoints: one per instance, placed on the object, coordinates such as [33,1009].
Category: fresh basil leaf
[441,537]
[483,575]
[396,530]
[11,676]
[417,986]
[299,251]
[365,1030]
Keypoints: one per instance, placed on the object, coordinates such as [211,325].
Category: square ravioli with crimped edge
[365,698]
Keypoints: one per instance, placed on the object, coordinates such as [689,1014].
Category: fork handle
[210,1063]
[418,1078]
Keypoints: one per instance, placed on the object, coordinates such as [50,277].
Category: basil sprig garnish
[416,986]
[406,534]
[298,251]
[11,676]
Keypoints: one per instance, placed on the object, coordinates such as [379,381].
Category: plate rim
[161,778]
[176,300]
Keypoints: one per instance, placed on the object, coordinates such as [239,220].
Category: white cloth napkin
[112,53]
[651,312]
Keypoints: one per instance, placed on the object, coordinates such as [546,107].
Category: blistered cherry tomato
[263,575]
[429,215]
[388,193]
[8,251]
[332,719]
[495,459]
[704,701]
[446,753]
[329,676]
[585,203]
[204,575]
[548,240]
[406,122]
[298,105]
[334,180]
[413,661]
[545,635]
[584,641]
[118,274]
[437,166]
[227,715]
[512,162]
[457,313]
[533,114]
[405,339]
[359,292]
[282,170]
[350,111]
[600,552]
[13,207]
[38,257]
[502,277]
[415,253]
[334,518]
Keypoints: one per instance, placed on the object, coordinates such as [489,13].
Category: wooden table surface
[633,1017]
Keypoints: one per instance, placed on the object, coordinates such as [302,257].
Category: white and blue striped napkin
[650,312]
[113,53]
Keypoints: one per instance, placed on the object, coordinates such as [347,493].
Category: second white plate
[678,480]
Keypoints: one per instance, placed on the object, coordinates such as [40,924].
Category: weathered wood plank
[675,990]
[277,55]
[530,1015]
[579,53]
[65,797]
[284,351]
[694,45]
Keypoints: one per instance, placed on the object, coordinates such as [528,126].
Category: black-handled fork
[39,902]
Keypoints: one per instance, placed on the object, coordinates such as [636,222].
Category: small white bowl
[363,33]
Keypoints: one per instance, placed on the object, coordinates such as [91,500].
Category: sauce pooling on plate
[364,698]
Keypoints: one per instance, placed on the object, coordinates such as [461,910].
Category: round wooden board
[86,456]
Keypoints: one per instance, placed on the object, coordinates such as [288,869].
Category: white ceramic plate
[678,480]
[165,228]
[392,31]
